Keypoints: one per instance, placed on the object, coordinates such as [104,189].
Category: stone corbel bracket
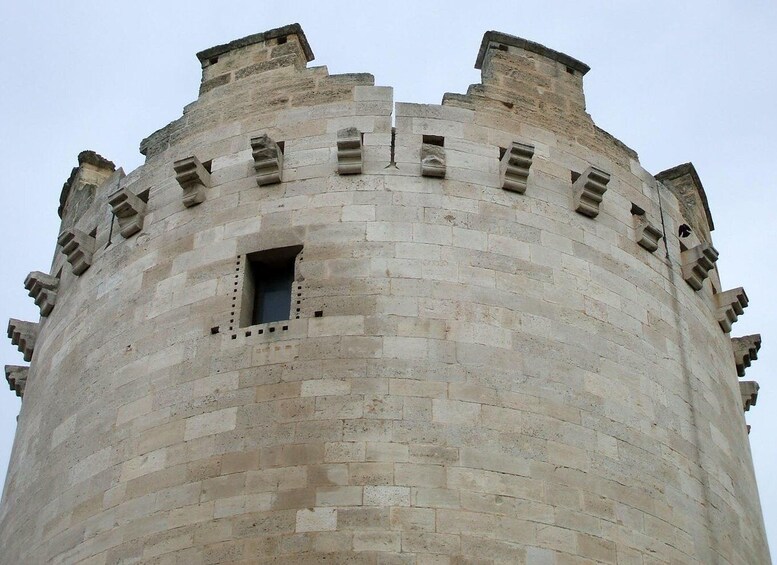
[589,189]
[648,235]
[79,248]
[349,151]
[194,178]
[697,263]
[514,167]
[731,304]
[129,209]
[268,160]
[16,376]
[745,351]
[749,392]
[23,335]
[432,160]
[43,289]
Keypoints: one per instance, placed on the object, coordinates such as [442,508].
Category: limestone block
[589,188]
[432,160]
[268,160]
[515,165]
[23,335]
[648,235]
[79,248]
[745,351]
[731,304]
[129,210]
[749,392]
[16,376]
[194,178]
[43,289]
[349,151]
[696,264]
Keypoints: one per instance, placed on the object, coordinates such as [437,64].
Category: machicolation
[319,326]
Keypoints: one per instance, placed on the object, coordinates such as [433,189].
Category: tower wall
[468,374]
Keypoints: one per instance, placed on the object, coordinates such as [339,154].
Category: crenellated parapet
[697,263]
[23,335]
[79,190]
[745,351]
[589,189]
[129,210]
[42,288]
[16,377]
[79,248]
[514,167]
[193,178]
[731,304]
[268,160]
[349,151]
[749,392]
[684,182]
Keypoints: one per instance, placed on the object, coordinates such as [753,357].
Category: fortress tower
[299,335]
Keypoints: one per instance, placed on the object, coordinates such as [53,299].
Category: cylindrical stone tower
[300,335]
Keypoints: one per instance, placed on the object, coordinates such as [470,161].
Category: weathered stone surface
[514,167]
[23,335]
[696,264]
[745,351]
[129,210]
[268,160]
[43,289]
[589,188]
[749,392]
[193,178]
[432,160]
[467,376]
[78,247]
[349,151]
[16,377]
[731,304]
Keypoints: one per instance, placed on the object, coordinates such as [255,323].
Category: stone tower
[300,335]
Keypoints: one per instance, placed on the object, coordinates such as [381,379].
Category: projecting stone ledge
[23,335]
[79,248]
[589,189]
[432,160]
[268,160]
[349,151]
[43,289]
[16,376]
[648,235]
[745,351]
[129,210]
[697,263]
[514,167]
[749,392]
[193,178]
[731,304]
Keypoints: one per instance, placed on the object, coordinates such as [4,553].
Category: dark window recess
[267,287]
[434,140]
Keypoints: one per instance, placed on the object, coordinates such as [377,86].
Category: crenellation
[349,151]
[193,178]
[589,189]
[745,351]
[514,167]
[23,335]
[79,248]
[731,304]
[42,288]
[16,377]
[129,210]
[696,263]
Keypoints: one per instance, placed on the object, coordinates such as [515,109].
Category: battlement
[320,334]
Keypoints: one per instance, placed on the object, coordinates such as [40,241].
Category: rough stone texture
[745,351]
[470,375]
[43,289]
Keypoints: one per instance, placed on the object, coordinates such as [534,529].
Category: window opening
[267,286]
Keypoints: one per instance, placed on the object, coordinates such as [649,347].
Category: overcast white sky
[675,80]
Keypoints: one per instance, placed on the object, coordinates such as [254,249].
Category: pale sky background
[676,81]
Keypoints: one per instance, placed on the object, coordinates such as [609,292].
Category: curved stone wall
[469,373]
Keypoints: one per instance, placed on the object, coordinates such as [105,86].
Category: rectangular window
[267,286]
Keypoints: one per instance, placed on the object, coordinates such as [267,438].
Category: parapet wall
[507,342]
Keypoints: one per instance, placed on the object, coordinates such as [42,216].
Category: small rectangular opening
[282,40]
[144,195]
[214,330]
[434,140]
[267,286]
[501,47]
[318,313]
[636,210]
